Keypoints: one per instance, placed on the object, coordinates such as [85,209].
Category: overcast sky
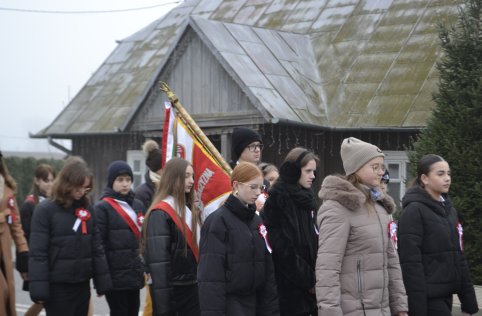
[46,58]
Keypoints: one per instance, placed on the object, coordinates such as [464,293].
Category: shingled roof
[336,63]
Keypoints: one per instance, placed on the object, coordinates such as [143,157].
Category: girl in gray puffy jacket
[357,267]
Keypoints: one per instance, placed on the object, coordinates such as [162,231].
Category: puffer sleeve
[158,258]
[396,289]
[332,241]
[410,238]
[211,268]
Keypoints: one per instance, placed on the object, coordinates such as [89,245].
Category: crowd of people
[267,250]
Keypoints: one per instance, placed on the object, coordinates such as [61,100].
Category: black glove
[21,263]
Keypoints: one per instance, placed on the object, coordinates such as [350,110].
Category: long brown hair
[296,152]
[42,172]
[72,176]
[9,181]
[173,184]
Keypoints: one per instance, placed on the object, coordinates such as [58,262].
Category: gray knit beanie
[355,153]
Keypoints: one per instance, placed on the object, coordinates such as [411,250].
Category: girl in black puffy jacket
[119,217]
[41,189]
[65,246]
[236,274]
[430,245]
[170,239]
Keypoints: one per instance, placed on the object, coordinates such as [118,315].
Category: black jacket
[235,270]
[26,213]
[433,265]
[168,259]
[289,214]
[145,192]
[120,243]
[58,254]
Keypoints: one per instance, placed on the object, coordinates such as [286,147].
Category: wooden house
[301,72]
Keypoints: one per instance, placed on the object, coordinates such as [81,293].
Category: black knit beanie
[241,138]
[117,168]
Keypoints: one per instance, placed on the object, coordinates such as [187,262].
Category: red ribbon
[460,230]
[392,234]
[140,219]
[84,216]
[11,206]
[263,232]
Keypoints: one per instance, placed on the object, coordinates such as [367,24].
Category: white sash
[129,211]
[170,200]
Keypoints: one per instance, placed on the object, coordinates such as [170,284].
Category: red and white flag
[212,181]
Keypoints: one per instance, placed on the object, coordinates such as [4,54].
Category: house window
[397,163]
[136,159]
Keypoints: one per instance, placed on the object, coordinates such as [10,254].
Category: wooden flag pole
[186,118]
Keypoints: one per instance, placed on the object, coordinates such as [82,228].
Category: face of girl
[271,177]
[248,191]
[79,192]
[371,173]
[45,186]
[189,179]
[307,174]
[438,180]
[122,184]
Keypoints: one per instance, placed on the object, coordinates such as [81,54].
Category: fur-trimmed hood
[340,190]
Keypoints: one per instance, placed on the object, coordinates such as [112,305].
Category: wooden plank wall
[99,151]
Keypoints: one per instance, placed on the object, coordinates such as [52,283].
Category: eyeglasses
[82,189]
[254,146]
[378,167]
[255,187]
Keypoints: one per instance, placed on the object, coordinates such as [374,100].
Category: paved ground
[101,308]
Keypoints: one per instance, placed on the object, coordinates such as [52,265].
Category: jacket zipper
[359,283]
[384,252]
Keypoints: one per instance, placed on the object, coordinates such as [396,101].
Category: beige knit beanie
[355,153]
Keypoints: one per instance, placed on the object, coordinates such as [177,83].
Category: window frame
[400,158]
[132,156]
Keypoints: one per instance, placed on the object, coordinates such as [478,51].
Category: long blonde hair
[173,184]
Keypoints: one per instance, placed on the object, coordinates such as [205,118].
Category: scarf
[244,212]
[128,198]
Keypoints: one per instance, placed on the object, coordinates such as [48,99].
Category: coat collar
[340,190]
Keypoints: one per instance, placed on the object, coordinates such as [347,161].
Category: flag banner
[180,139]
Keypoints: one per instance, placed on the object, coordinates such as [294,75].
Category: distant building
[33,154]
[303,73]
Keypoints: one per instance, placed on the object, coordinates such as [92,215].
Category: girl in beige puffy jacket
[357,268]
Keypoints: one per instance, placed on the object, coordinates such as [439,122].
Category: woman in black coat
[235,270]
[430,245]
[119,217]
[290,216]
[170,239]
[65,246]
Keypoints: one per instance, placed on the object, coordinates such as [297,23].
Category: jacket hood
[340,190]
[418,194]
